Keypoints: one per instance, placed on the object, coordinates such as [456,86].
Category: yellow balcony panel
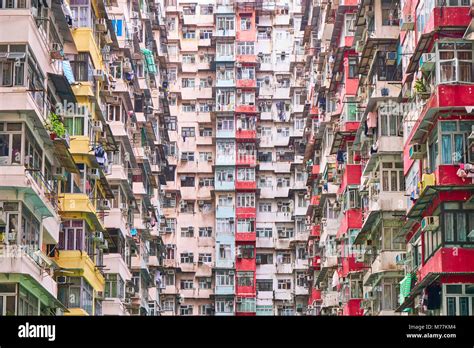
[76,312]
[81,151]
[82,91]
[79,206]
[81,265]
[85,42]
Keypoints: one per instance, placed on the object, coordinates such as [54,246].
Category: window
[245,23]
[246,174]
[285,232]
[264,284]
[265,207]
[264,259]
[225,226]
[350,24]
[454,142]
[207,9]
[246,251]
[225,200]
[186,310]
[246,48]
[390,242]
[205,309]
[245,200]
[188,107]
[189,59]
[186,284]
[206,182]
[82,13]
[205,231]
[225,23]
[187,207]
[168,279]
[225,306]
[225,252]
[189,34]
[187,258]
[225,49]
[392,176]
[72,236]
[245,225]
[390,124]
[205,34]
[283,257]
[390,294]
[187,181]
[205,132]
[264,232]
[390,13]
[459,299]
[205,258]
[188,82]
[187,232]
[226,148]
[284,284]
[225,175]
[224,278]
[245,278]
[187,156]
[188,132]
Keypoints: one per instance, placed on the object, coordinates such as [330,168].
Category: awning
[64,156]
[339,56]
[422,47]
[67,71]
[338,140]
[370,47]
[62,87]
[150,60]
[60,20]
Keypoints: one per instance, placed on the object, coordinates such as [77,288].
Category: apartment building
[234,201]
[388,146]
[82,134]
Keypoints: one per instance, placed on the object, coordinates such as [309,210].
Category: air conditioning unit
[408,23]
[417,151]
[61,280]
[130,290]
[391,58]
[104,204]
[427,62]
[99,237]
[97,126]
[104,245]
[11,236]
[430,223]
[98,74]
[201,203]
[238,65]
[94,173]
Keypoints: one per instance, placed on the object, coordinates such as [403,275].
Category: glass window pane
[464,306]
[449,227]
[461,227]
[451,305]
[446,149]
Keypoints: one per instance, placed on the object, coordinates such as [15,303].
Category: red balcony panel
[246,58]
[315,200]
[448,17]
[348,40]
[316,262]
[351,176]
[246,108]
[248,291]
[243,265]
[245,236]
[315,296]
[246,83]
[246,160]
[450,260]
[349,264]
[245,185]
[446,175]
[350,126]
[352,308]
[246,134]
[245,213]
[248,35]
[316,231]
[351,85]
[314,111]
[245,314]
[315,170]
[352,219]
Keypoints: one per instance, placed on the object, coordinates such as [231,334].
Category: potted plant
[421,89]
[55,126]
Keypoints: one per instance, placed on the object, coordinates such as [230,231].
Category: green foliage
[55,125]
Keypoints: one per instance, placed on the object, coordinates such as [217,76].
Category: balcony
[246,159]
[225,83]
[223,160]
[448,260]
[246,83]
[245,134]
[330,299]
[383,265]
[78,263]
[351,176]
[245,185]
[227,133]
[78,205]
[245,109]
[284,268]
[350,264]
[246,212]
[353,307]
[315,296]
[224,290]
[85,42]
[447,17]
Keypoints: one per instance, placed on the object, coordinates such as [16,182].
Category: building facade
[388,144]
